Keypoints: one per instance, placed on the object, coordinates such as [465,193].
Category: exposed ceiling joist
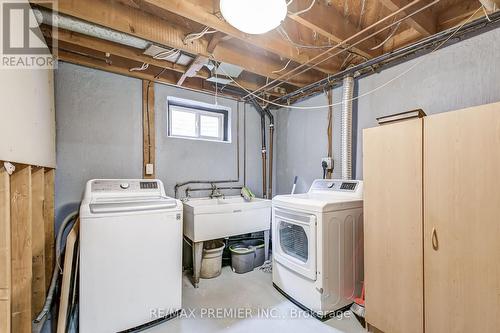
[193,69]
[329,23]
[215,40]
[459,13]
[424,22]
[76,40]
[121,66]
[110,47]
[138,23]
[270,42]
[405,37]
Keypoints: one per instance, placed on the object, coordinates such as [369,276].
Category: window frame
[223,114]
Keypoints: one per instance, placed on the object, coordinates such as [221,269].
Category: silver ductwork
[44,16]
[346,127]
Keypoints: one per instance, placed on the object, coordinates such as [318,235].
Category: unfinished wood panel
[38,241]
[48,216]
[148,127]
[5,272]
[20,208]
[392,166]
[69,256]
[462,207]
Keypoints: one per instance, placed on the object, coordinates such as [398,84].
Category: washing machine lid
[133,204]
[121,196]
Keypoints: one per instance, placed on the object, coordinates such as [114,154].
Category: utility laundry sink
[206,219]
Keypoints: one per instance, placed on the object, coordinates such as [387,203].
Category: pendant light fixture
[254,16]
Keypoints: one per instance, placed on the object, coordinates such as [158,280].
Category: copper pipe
[280,78]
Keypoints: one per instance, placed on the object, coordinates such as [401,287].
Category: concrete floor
[251,304]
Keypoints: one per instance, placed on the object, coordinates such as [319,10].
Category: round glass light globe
[254,16]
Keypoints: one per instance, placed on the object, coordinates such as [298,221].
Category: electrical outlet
[149,169]
[329,162]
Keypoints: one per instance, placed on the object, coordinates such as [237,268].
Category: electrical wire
[165,55]
[285,35]
[370,91]
[345,42]
[388,37]
[486,13]
[143,67]
[280,70]
[197,35]
[303,10]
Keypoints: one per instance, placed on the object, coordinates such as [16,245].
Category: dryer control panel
[354,187]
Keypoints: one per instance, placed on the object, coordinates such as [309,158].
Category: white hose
[71,217]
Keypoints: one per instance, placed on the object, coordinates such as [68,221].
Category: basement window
[200,121]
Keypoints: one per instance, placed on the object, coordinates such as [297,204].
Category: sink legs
[197,255]
[266,244]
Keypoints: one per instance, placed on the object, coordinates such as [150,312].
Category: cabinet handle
[435,243]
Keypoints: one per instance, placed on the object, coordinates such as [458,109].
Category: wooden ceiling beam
[193,69]
[110,47]
[119,17]
[425,22]
[458,14]
[331,24]
[270,42]
[119,66]
[79,41]
[403,38]
[215,40]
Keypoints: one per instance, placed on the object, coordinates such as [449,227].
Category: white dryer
[318,245]
[130,255]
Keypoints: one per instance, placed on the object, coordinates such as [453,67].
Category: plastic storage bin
[247,255]
[242,258]
[211,262]
[259,251]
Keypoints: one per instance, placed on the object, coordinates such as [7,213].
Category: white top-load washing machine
[130,255]
[318,245]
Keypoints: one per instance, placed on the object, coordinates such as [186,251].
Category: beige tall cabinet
[432,223]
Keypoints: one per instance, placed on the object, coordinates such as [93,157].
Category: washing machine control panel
[124,185]
[336,185]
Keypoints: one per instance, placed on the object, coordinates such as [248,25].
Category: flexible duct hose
[68,220]
[346,128]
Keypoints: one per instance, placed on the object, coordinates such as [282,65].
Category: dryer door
[294,239]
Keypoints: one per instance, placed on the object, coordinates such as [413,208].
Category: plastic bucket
[258,244]
[242,258]
[211,262]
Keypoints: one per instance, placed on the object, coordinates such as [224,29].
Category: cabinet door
[392,167]
[462,220]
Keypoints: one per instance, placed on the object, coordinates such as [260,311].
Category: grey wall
[99,135]
[98,131]
[459,76]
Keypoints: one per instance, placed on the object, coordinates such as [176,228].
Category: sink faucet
[216,192]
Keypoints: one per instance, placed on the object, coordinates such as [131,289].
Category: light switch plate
[150,169]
